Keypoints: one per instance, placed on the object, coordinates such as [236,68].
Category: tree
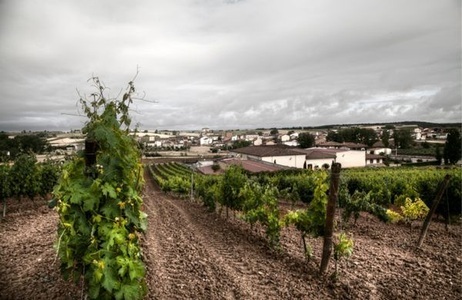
[241,144]
[333,136]
[353,135]
[306,140]
[366,136]
[438,155]
[403,138]
[386,138]
[274,131]
[34,143]
[452,148]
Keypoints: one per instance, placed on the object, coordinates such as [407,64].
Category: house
[284,138]
[291,143]
[294,136]
[279,155]
[379,149]
[258,141]
[69,144]
[322,157]
[251,136]
[316,158]
[205,141]
[374,160]
[313,158]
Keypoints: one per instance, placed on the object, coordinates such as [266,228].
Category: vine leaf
[109,190]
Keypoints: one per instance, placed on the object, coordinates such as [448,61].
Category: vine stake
[438,197]
[330,214]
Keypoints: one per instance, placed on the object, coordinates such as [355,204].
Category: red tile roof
[254,166]
[319,153]
[261,151]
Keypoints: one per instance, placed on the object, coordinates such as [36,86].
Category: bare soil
[192,253]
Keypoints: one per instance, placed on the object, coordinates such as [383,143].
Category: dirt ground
[191,253]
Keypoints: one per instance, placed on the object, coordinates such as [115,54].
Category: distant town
[268,149]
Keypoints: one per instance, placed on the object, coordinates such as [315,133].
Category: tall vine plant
[99,204]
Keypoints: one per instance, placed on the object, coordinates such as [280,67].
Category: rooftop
[253,166]
[261,151]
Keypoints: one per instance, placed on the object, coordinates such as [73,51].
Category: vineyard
[118,229]
[27,179]
[377,189]
[191,251]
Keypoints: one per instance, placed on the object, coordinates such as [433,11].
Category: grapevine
[99,205]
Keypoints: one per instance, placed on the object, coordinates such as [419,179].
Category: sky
[229,64]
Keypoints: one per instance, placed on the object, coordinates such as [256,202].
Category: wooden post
[330,214]
[435,203]
[91,147]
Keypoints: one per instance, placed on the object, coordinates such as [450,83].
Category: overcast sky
[229,64]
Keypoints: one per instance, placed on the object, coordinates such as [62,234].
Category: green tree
[306,140]
[452,147]
[385,138]
[353,135]
[403,138]
[438,155]
[274,131]
[333,136]
[31,143]
[366,136]
[241,144]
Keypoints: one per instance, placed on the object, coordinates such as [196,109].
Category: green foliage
[208,188]
[393,216]
[453,147]
[27,178]
[21,144]
[358,202]
[241,144]
[49,172]
[411,210]
[353,135]
[234,180]
[216,167]
[312,219]
[297,186]
[261,205]
[99,207]
[393,185]
[408,192]
[5,190]
[172,177]
[385,138]
[24,177]
[306,140]
[403,138]
[361,202]
[343,248]
[414,210]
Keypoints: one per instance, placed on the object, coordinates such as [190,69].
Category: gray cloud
[233,64]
